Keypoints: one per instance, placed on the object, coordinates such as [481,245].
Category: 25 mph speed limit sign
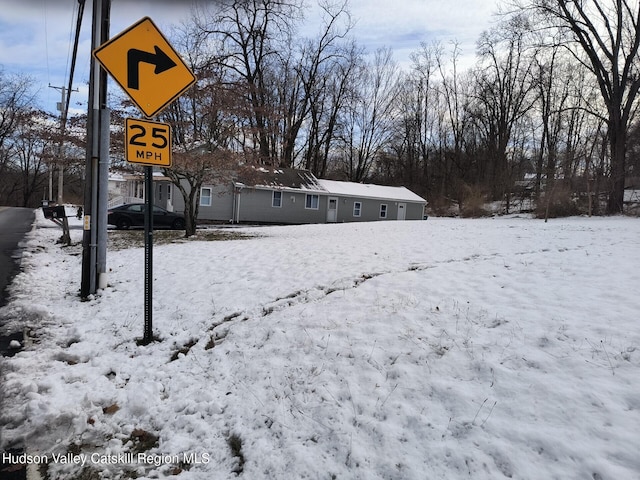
[148,143]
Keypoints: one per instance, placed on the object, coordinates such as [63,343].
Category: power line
[46,37]
[63,106]
[74,56]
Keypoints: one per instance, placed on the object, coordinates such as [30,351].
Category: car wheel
[123,223]
[178,224]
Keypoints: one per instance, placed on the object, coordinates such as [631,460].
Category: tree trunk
[618,157]
[191,212]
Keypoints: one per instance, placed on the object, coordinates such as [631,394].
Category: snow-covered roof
[368,190]
[116,177]
[294,179]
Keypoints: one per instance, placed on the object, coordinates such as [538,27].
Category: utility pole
[62,108]
[97,162]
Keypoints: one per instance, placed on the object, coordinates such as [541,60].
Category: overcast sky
[36,36]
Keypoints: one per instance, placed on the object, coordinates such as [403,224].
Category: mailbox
[54,212]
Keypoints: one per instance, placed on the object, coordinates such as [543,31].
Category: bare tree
[604,36]
[17,175]
[304,79]
[33,137]
[405,165]
[503,97]
[456,99]
[553,82]
[16,98]
[329,98]
[204,126]
[248,35]
[367,124]
[425,116]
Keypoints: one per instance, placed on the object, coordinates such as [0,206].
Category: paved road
[14,223]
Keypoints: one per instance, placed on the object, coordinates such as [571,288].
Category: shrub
[440,206]
[559,202]
[474,203]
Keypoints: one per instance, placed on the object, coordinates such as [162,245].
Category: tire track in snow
[221,328]
[281,303]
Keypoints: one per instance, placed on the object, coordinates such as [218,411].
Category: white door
[332,210]
[402,207]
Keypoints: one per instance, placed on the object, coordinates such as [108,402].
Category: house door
[402,207]
[332,210]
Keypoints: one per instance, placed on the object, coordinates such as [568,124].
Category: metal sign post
[147,142]
[148,256]
[94,247]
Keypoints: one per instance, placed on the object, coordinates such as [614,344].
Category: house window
[160,192]
[383,211]
[312,202]
[357,209]
[205,196]
[169,192]
[276,199]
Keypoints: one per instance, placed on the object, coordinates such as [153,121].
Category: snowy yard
[442,349]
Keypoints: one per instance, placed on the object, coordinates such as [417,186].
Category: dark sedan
[132,215]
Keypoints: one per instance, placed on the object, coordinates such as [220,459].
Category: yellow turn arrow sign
[145,65]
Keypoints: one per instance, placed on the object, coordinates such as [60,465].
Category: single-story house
[291,196]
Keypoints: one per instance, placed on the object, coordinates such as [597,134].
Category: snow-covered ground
[442,349]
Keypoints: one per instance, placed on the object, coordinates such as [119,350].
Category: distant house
[290,196]
[129,188]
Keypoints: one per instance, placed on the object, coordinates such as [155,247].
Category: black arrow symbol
[134,57]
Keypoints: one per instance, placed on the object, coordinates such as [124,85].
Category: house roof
[116,177]
[293,179]
[368,190]
[280,178]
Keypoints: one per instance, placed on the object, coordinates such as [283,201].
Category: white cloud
[36,35]
[404,24]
